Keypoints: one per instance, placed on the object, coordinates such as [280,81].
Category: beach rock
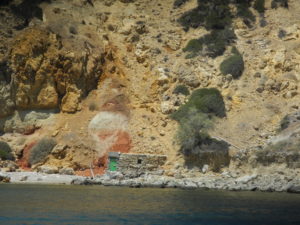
[59,151]
[4,179]
[114,175]
[190,184]
[155,182]
[205,168]
[80,181]
[172,184]
[111,183]
[8,166]
[47,169]
[293,188]
[66,171]
[246,179]
[130,183]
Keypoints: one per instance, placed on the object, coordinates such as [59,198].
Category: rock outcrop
[45,75]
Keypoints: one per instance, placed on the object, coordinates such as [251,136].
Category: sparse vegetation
[244,12]
[210,14]
[192,130]
[281,33]
[216,17]
[92,106]
[41,150]
[197,146]
[178,3]
[284,123]
[205,100]
[279,3]
[259,5]
[181,89]
[195,119]
[213,44]
[5,151]
[233,65]
[286,151]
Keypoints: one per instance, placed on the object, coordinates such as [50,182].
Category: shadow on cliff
[26,10]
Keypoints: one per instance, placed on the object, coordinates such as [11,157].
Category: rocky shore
[253,182]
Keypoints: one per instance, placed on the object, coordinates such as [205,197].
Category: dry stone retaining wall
[138,164]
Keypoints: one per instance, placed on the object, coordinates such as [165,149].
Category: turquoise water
[43,204]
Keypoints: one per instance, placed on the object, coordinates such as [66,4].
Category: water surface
[43,204]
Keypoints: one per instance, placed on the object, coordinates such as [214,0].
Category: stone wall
[135,165]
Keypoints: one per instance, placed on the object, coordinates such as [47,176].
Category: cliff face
[44,69]
[120,62]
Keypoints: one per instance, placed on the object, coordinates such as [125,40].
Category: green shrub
[205,100]
[233,65]
[41,150]
[181,89]
[213,43]
[194,46]
[178,3]
[203,15]
[244,12]
[281,33]
[279,3]
[193,129]
[259,5]
[197,146]
[5,151]
[284,123]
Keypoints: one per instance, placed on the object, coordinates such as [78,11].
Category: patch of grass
[41,150]
[5,151]
[259,5]
[233,65]
[181,89]
[279,3]
[204,100]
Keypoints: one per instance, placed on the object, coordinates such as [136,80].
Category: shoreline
[254,182]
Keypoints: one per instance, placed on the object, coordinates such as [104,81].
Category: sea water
[51,204]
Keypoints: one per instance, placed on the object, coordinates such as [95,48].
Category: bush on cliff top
[5,151]
[41,150]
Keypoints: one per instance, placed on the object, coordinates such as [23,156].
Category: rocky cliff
[99,76]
